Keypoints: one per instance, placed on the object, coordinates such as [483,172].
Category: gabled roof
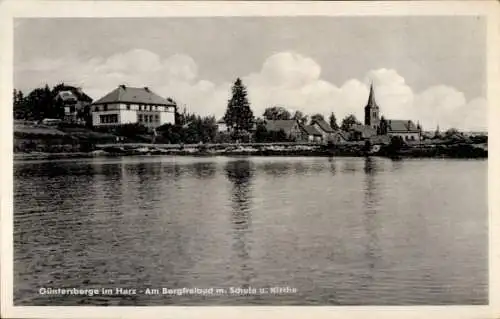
[77,92]
[67,96]
[323,125]
[125,94]
[401,126]
[365,130]
[277,125]
[380,139]
[311,130]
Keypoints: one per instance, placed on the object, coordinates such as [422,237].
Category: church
[377,125]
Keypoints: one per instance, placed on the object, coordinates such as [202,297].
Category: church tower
[372,111]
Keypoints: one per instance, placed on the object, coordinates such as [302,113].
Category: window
[157,118]
[140,107]
[109,118]
[156,108]
[412,138]
[105,107]
[150,107]
[151,118]
[140,117]
[96,109]
[406,138]
[128,107]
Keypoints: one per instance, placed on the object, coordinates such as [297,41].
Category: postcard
[250,159]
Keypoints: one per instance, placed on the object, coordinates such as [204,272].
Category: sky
[431,69]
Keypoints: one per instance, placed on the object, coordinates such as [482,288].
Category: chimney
[123,86]
[146,89]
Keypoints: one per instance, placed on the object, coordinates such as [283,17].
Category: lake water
[329,231]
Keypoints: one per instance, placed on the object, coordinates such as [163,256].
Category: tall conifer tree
[238,115]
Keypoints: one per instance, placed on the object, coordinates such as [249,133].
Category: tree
[20,109]
[277,113]
[317,117]
[382,130]
[261,133]
[348,122]
[301,117]
[451,132]
[333,122]
[238,115]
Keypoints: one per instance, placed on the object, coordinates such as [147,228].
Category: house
[323,127]
[125,105]
[73,100]
[221,126]
[360,132]
[311,134]
[337,137]
[405,129]
[290,127]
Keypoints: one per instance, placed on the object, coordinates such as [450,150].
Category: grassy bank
[47,142]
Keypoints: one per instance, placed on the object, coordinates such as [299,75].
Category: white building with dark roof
[126,105]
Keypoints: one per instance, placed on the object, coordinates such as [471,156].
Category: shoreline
[457,152]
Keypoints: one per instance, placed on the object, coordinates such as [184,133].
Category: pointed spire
[371,97]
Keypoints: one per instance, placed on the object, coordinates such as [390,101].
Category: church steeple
[371,97]
[372,112]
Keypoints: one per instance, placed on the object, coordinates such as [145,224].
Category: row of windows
[408,138]
[97,108]
[148,118]
[109,118]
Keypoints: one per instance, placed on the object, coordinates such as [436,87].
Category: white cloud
[286,78]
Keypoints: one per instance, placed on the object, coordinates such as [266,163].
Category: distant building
[361,132]
[337,137]
[377,125]
[73,100]
[221,126]
[405,129]
[125,105]
[292,128]
[323,127]
[311,134]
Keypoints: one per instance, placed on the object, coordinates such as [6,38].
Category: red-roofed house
[125,105]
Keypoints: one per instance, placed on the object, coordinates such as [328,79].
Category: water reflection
[240,174]
[333,165]
[349,166]
[277,169]
[371,204]
[204,170]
